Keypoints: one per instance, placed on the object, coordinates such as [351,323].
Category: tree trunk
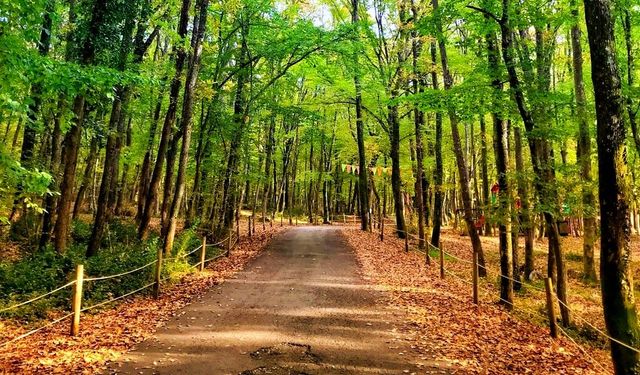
[170,117]
[500,141]
[526,223]
[396,179]
[143,188]
[54,166]
[439,171]
[70,157]
[485,177]
[86,176]
[615,260]
[540,153]
[463,173]
[583,152]
[363,186]
[199,25]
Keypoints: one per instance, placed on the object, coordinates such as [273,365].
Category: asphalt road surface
[301,307]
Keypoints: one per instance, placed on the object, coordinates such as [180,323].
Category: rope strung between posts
[593,360]
[229,238]
[116,298]
[38,297]
[36,330]
[121,274]
[575,314]
[533,314]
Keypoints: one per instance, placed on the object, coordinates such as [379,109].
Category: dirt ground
[299,308]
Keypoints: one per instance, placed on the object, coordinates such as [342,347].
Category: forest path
[301,307]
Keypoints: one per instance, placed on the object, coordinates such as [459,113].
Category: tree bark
[583,151]
[500,141]
[439,171]
[463,173]
[199,25]
[363,185]
[170,117]
[618,301]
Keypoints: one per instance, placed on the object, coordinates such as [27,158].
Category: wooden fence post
[249,226]
[406,241]
[76,303]
[551,309]
[475,277]
[370,222]
[281,218]
[203,252]
[238,225]
[382,230]
[229,242]
[441,261]
[344,218]
[156,285]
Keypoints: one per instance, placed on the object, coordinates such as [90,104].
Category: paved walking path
[299,308]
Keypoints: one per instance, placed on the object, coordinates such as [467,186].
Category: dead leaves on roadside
[445,326]
[105,335]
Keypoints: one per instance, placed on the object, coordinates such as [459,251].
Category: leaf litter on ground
[106,334]
[444,326]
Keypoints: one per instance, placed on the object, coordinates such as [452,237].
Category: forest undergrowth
[113,330]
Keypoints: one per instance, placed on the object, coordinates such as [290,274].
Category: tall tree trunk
[363,186]
[500,141]
[266,189]
[540,155]
[615,259]
[145,171]
[396,180]
[70,157]
[54,167]
[199,25]
[418,119]
[631,112]
[526,223]
[438,177]
[30,129]
[486,203]
[583,151]
[170,117]
[463,173]
[240,119]
[86,176]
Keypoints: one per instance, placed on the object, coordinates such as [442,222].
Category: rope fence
[474,283]
[230,241]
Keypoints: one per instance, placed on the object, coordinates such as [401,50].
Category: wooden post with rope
[229,239]
[551,309]
[441,261]
[406,241]
[203,252]
[76,303]
[156,285]
[475,277]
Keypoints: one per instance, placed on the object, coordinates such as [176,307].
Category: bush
[47,270]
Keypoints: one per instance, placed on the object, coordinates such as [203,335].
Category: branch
[486,13]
